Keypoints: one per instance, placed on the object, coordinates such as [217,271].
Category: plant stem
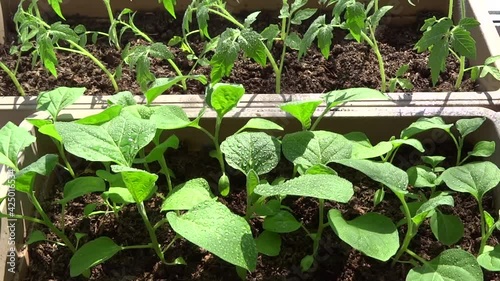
[460,77]
[321,226]
[459,145]
[374,45]
[136,247]
[218,151]
[484,237]
[111,20]
[450,9]
[65,160]
[285,28]
[21,217]
[152,235]
[49,224]
[409,232]
[164,168]
[13,77]
[415,256]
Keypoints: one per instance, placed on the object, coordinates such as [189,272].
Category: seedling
[256,46]
[13,78]
[355,17]
[400,81]
[37,35]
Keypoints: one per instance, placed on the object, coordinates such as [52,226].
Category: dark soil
[336,260]
[350,64]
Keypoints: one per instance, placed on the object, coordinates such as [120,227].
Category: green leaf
[325,36]
[212,226]
[56,100]
[140,183]
[13,140]
[226,53]
[160,85]
[56,7]
[493,70]
[355,22]
[306,263]
[329,187]
[252,151]
[483,149]
[91,254]
[47,55]
[490,260]
[307,149]
[224,97]
[448,229]
[269,243]
[468,23]
[467,126]
[411,142]
[43,166]
[269,33]
[119,195]
[424,124]
[282,222]
[170,117]
[158,151]
[102,117]
[50,130]
[385,173]
[430,205]
[463,43]
[302,15]
[260,124]
[124,98]
[169,6]
[378,15]
[81,186]
[311,34]
[490,221]
[272,207]
[434,34]
[117,141]
[302,110]
[337,97]
[379,196]
[363,149]
[35,236]
[187,195]
[251,19]
[475,178]
[433,161]
[421,176]
[450,265]
[224,185]
[320,169]
[292,41]
[361,232]
[437,59]
[250,42]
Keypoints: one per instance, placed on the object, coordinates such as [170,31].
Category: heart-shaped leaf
[140,183]
[91,254]
[81,186]
[302,110]
[187,195]
[56,100]
[13,140]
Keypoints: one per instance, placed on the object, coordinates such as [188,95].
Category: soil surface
[350,64]
[335,261]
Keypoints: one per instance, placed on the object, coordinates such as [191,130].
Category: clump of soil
[350,64]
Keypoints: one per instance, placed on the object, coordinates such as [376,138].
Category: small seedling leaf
[320,169]
[170,117]
[427,207]
[160,85]
[251,43]
[360,233]
[13,140]
[302,110]
[212,226]
[269,243]
[490,260]
[282,222]
[260,124]
[306,263]
[158,151]
[363,149]
[448,229]
[421,176]
[140,183]
[483,149]
[81,186]
[411,142]
[91,254]
[252,151]
[463,43]
[56,100]
[35,236]
[187,195]
[329,187]
[470,125]
[119,195]
[270,208]
[102,117]
[424,124]
[224,97]
[43,166]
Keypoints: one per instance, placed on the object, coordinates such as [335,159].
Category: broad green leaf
[38,122]
[169,6]
[448,229]
[424,124]
[117,141]
[320,169]
[411,142]
[355,20]
[363,149]
[307,149]
[252,151]
[378,15]
[361,233]
[81,186]
[463,43]
[170,117]
[115,180]
[467,126]
[292,41]
[385,173]
[490,260]
[282,222]
[269,33]
[102,117]
[187,195]
[158,151]
[437,59]
[468,23]
[140,183]
[329,187]
[493,70]
[35,236]
[421,176]
[251,44]
[124,98]
[337,97]
[251,19]
[160,85]
[91,254]
[450,265]
[483,149]
[139,111]
[43,166]
[50,130]
[475,178]
[119,195]
[423,211]
[56,100]
[302,15]
[433,161]
[47,55]
[268,243]
[269,208]
[434,34]
[325,36]
[260,124]
[212,226]
[226,53]
[13,140]
[224,97]
[302,110]
[55,4]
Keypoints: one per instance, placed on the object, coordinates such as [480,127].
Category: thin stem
[111,20]
[484,237]
[164,168]
[218,151]
[142,154]
[460,77]
[170,244]
[65,160]
[136,247]
[178,72]
[285,28]
[415,256]
[152,235]
[376,6]
[450,9]
[13,77]
[160,223]
[409,231]
[458,146]
[21,217]
[49,223]
[321,226]
[316,122]
[373,43]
